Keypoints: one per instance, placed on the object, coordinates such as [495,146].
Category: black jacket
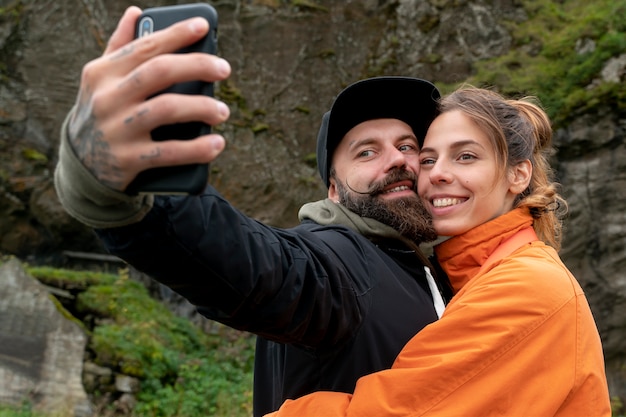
[328,304]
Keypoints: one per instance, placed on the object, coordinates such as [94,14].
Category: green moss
[326,53]
[183,370]
[230,94]
[34,155]
[26,410]
[310,159]
[10,20]
[545,61]
[260,127]
[141,337]
[303,109]
[274,4]
[67,314]
[382,67]
[432,58]
[427,22]
[64,277]
[617,407]
[309,5]
[309,181]
[12,12]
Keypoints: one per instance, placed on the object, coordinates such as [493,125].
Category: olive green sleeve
[89,201]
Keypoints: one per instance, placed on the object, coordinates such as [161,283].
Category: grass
[183,371]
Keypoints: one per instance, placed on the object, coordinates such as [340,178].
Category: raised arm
[110,127]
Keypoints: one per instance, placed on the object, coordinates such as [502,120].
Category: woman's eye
[466,157]
[427,161]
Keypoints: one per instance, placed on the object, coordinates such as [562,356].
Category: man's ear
[520,176]
[332,190]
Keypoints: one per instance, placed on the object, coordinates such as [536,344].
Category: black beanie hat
[412,100]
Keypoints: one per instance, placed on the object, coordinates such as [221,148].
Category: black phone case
[184,179]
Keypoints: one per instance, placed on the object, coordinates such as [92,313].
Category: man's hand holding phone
[118,107]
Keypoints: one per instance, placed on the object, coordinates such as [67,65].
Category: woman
[518,338]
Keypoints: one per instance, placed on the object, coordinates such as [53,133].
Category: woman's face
[459,180]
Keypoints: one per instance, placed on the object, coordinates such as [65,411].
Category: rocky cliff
[289,58]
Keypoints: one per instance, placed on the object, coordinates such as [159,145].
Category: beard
[407,215]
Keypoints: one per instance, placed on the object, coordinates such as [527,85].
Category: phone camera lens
[146,25]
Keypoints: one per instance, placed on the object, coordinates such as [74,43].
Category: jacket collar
[326,212]
[462,256]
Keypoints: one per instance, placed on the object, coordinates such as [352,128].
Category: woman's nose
[439,173]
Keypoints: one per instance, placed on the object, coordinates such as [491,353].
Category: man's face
[374,174]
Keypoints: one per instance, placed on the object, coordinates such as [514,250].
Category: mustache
[378,187]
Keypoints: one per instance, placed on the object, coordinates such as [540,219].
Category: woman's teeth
[445,202]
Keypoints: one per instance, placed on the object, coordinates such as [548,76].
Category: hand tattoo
[88,143]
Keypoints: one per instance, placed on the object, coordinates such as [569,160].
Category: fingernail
[217,143]
[198,25]
[223,110]
[223,66]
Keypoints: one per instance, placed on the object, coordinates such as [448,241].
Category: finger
[168,109]
[166,70]
[114,81]
[197,151]
[165,41]
[174,152]
[125,31]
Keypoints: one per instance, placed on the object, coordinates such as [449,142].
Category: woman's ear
[520,176]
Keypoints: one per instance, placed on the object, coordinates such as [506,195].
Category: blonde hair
[518,130]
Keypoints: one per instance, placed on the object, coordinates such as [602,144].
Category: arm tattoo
[88,143]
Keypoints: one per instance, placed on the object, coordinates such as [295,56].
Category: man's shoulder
[328,231]
[343,239]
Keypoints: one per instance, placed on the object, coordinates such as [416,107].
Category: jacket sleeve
[234,269]
[287,285]
[512,342]
[86,199]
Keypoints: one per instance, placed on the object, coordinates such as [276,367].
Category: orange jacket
[517,339]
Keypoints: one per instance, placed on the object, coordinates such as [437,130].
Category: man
[332,299]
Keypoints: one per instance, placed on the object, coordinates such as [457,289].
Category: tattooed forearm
[88,143]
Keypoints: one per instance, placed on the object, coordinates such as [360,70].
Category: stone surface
[41,351]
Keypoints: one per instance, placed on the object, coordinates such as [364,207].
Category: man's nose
[395,159]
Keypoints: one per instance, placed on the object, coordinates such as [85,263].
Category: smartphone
[184,179]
